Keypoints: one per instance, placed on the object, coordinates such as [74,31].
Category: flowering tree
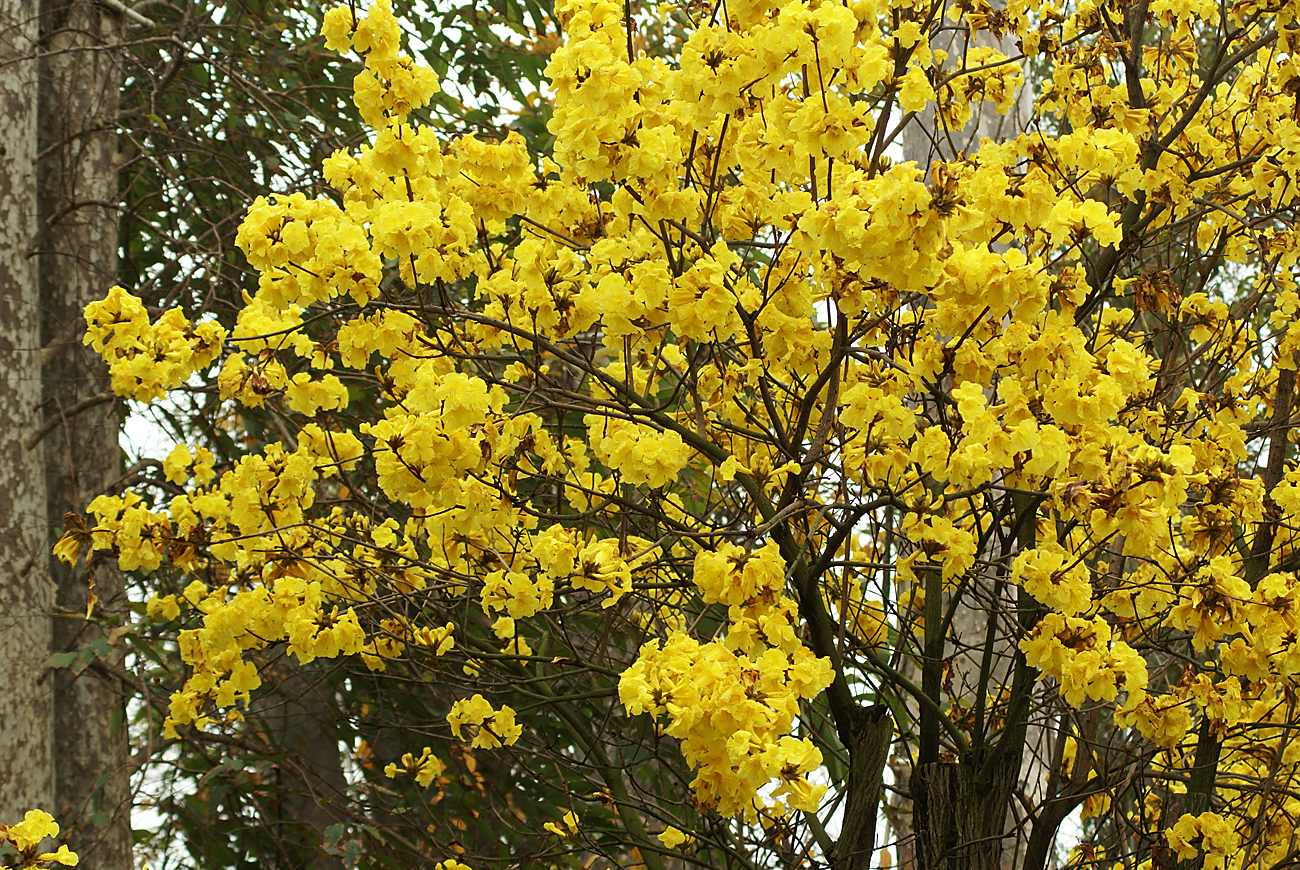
[633,492]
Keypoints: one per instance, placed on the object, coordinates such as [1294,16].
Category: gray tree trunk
[80,80]
[26,595]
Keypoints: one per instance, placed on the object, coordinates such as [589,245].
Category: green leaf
[61,660]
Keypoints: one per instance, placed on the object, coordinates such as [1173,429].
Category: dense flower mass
[722,410]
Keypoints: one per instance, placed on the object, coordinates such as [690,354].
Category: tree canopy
[715,486]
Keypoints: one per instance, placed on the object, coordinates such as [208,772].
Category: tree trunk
[80,80]
[871,731]
[960,822]
[26,702]
[297,717]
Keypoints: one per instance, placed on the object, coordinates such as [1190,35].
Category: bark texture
[871,731]
[80,79]
[26,595]
[960,814]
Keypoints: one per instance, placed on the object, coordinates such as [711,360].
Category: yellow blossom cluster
[1209,833]
[732,703]
[26,838]
[424,768]
[146,359]
[489,728]
[1087,661]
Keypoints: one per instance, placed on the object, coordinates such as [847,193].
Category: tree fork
[959,822]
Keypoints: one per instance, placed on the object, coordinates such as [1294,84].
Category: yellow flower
[63,856]
[440,640]
[570,829]
[35,826]
[164,608]
[915,91]
[337,27]
[672,838]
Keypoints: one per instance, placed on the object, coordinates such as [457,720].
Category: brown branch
[53,423]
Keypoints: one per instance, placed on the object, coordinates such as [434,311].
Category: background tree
[59,200]
[141,114]
[75,251]
[687,442]
[25,708]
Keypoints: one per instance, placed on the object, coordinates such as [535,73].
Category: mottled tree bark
[80,80]
[26,595]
